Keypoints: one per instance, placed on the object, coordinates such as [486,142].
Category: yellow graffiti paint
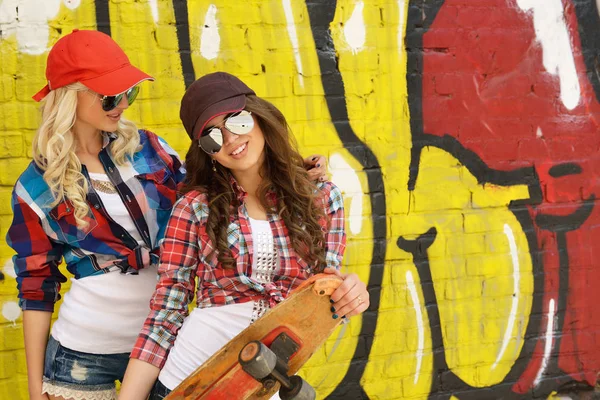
[481,269]
[21,76]
[152,46]
[373,70]
[479,261]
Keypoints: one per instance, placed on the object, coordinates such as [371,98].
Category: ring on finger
[360,300]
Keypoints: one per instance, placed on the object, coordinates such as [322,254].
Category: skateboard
[264,357]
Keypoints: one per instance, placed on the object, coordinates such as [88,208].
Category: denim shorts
[70,373]
[159,391]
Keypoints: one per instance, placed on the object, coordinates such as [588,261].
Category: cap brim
[117,81]
[42,93]
[232,104]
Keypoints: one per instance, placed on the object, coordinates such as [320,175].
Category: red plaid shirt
[184,257]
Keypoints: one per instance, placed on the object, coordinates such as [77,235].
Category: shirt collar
[241,194]
[108,137]
[239,191]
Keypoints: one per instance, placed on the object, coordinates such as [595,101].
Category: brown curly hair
[283,173]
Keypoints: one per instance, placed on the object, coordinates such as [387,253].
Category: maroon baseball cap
[212,95]
[92,58]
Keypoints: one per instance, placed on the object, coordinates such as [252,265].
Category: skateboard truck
[264,365]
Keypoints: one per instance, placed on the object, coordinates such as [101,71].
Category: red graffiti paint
[485,83]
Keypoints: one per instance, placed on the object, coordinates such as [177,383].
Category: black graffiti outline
[564,169]
[180,10]
[420,17]
[588,20]
[444,382]
[183,41]
[103,16]
[321,15]
[335,96]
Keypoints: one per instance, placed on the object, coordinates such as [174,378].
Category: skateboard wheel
[257,360]
[300,390]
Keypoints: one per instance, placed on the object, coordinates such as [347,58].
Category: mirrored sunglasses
[111,102]
[239,123]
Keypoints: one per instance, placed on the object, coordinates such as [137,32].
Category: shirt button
[110,169]
[68,209]
[96,206]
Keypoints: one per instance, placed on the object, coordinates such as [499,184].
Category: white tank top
[103,314]
[206,330]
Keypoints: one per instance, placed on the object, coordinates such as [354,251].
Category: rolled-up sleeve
[175,288]
[177,165]
[36,262]
[335,237]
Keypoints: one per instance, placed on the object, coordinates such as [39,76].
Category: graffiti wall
[464,134]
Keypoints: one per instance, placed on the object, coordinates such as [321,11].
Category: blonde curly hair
[54,148]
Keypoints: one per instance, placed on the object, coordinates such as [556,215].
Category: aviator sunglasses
[111,102]
[239,123]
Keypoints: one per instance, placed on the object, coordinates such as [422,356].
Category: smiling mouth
[239,149]
[114,116]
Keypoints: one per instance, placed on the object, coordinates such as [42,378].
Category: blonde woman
[97,195]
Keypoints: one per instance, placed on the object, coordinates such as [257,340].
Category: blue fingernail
[331,301]
[335,316]
[318,165]
[314,159]
[332,309]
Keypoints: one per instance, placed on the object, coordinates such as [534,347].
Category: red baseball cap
[93,59]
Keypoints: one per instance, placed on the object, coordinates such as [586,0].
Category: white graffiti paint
[548,343]
[412,289]
[346,179]
[9,268]
[154,9]
[354,29]
[28,21]
[72,4]
[291,28]
[552,33]
[11,311]
[402,24]
[538,133]
[210,40]
[514,255]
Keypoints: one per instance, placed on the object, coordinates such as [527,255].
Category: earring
[214,167]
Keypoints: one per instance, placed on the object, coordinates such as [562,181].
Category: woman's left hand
[351,297]
[316,166]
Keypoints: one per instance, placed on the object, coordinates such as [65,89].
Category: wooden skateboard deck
[294,329]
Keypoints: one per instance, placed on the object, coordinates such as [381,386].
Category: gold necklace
[103,186]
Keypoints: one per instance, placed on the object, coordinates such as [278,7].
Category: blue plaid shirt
[43,235]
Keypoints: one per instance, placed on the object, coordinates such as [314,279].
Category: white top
[206,330]
[103,314]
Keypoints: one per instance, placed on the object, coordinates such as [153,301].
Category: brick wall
[464,134]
